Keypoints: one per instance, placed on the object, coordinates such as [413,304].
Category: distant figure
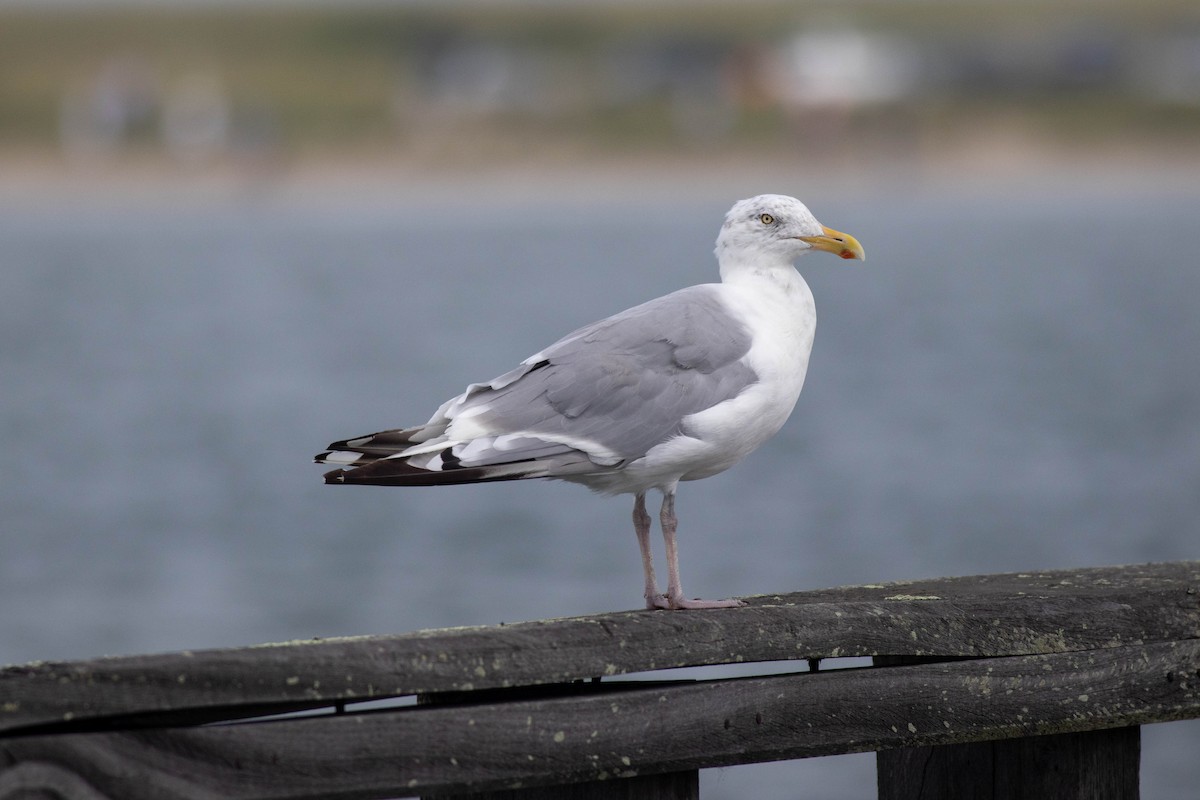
[110,111]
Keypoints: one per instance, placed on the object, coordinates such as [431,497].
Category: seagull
[675,389]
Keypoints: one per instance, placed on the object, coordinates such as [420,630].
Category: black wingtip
[393,472]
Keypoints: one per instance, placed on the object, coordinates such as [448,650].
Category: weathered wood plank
[459,748]
[994,615]
[683,785]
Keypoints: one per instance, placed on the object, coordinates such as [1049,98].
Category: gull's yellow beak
[840,244]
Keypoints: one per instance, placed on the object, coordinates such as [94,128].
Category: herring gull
[675,389]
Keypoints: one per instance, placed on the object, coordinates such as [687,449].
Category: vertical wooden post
[1096,765]
[1093,765]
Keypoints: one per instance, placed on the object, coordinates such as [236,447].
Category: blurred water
[1010,382]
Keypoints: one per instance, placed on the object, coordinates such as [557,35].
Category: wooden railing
[1033,684]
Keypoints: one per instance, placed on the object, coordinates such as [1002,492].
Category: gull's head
[778,228]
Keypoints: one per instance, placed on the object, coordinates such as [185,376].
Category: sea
[1009,382]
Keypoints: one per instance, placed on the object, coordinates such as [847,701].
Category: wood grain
[992,615]
[624,731]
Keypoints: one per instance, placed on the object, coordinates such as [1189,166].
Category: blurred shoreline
[356,102]
[992,162]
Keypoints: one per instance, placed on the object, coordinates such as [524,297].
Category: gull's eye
[766,219]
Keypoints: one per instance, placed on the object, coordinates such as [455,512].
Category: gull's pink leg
[675,598]
[641,526]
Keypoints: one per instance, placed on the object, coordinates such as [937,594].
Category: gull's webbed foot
[683,604]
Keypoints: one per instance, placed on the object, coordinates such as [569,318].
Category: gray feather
[627,381]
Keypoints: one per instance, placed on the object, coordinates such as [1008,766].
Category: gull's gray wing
[625,382]
[600,396]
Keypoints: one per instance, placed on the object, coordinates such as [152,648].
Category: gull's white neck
[765,269]
[774,300]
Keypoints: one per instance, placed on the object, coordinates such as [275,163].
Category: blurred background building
[202,86]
